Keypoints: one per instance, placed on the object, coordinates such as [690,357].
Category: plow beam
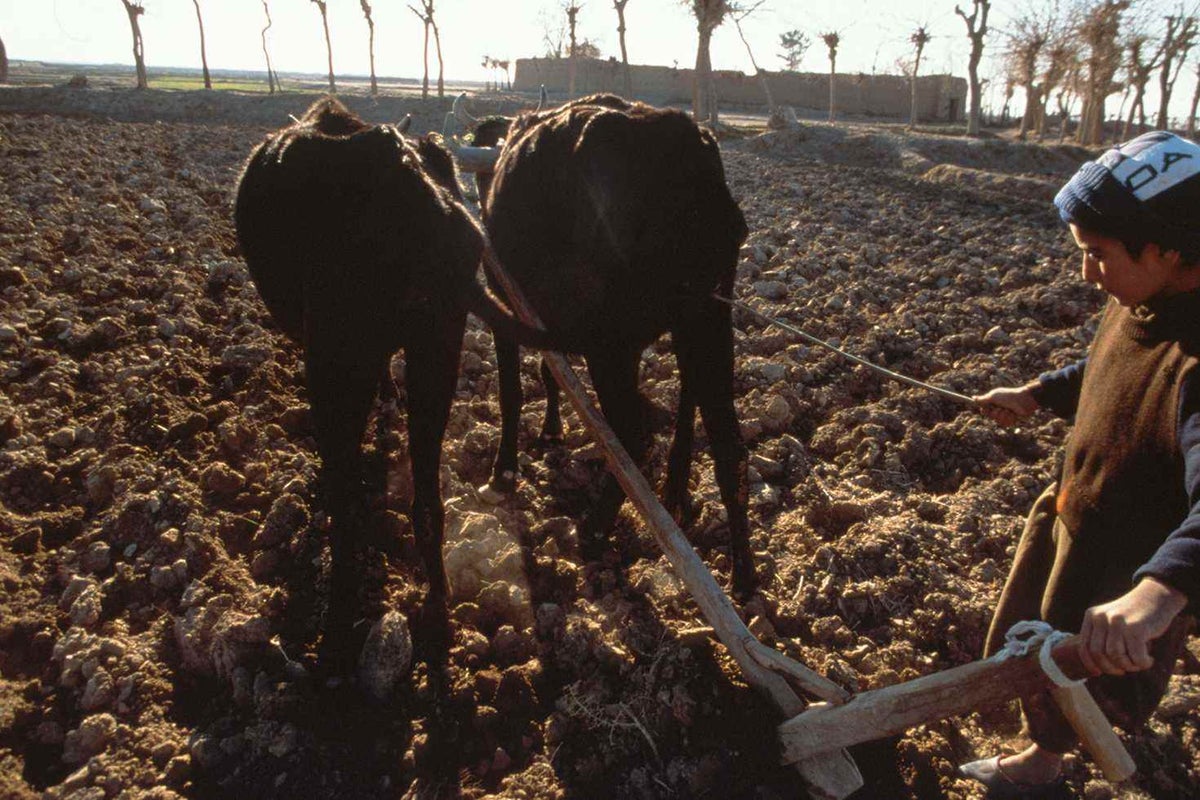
[894,709]
[832,774]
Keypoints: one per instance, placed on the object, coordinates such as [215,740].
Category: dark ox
[358,245]
[615,220]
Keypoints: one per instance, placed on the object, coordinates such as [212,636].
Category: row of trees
[424,11]
[1088,54]
[1074,53]
[710,14]
[1081,52]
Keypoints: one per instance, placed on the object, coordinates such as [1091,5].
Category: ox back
[616,221]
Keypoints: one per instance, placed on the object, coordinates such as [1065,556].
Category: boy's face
[1108,266]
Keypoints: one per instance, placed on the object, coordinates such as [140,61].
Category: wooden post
[892,710]
[832,774]
[1095,732]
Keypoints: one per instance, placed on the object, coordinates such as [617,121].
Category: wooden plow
[815,737]
[894,709]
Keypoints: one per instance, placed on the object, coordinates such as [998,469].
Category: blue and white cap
[1145,190]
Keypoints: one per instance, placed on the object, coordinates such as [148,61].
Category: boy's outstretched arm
[1007,405]
[1057,392]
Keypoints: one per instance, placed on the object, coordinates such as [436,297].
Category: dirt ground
[162,545]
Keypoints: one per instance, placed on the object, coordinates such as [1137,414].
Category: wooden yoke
[831,773]
[892,710]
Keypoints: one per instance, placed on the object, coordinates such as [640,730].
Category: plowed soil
[162,535]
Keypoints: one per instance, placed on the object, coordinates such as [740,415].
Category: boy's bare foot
[1032,766]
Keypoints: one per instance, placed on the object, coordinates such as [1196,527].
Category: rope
[955,396]
[1024,636]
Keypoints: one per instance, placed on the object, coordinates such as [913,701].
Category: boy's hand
[1115,636]
[1007,406]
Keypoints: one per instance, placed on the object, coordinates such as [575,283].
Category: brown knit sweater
[1122,493]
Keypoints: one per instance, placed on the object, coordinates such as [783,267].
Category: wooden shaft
[832,777]
[812,682]
[1094,730]
[895,709]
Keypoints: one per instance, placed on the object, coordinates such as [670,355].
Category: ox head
[488,136]
[469,158]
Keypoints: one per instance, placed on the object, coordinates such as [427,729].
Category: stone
[771,290]
[386,656]
[63,438]
[90,738]
[219,478]
[288,515]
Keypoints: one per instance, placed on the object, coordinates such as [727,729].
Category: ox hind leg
[676,497]
[614,375]
[703,346]
[504,468]
[552,425]
[432,353]
[341,387]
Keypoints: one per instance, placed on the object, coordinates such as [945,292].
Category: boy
[1113,549]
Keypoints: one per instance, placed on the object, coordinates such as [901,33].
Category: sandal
[1001,787]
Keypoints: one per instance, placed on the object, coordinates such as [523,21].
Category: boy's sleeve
[1058,391]
[1177,560]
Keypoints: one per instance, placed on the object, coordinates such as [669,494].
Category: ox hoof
[744,589]
[490,495]
[498,488]
[549,439]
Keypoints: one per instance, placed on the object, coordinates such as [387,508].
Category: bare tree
[919,38]
[328,45]
[1138,68]
[3,63]
[504,65]
[976,29]
[366,9]
[832,39]
[1180,38]
[134,9]
[437,46]
[1099,31]
[619,5]
[203,53]
[709,15]
[572,11]
[1191,122]
[1026,40]
[1061,58]
[554,30]
[739,13]
[272,78]
[795,44]
[426,21]
[1010,87]
[425,14]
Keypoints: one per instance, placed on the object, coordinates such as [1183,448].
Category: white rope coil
[1021,640]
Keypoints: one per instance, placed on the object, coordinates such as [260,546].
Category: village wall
[939,97]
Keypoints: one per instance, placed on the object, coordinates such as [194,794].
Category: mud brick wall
[939,97]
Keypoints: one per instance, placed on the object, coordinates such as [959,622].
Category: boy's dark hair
[1145,190]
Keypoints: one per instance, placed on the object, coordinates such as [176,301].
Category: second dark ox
[615,220]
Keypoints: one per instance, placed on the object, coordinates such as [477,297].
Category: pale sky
[874,35]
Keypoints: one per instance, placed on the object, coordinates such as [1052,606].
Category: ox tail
[489,308]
